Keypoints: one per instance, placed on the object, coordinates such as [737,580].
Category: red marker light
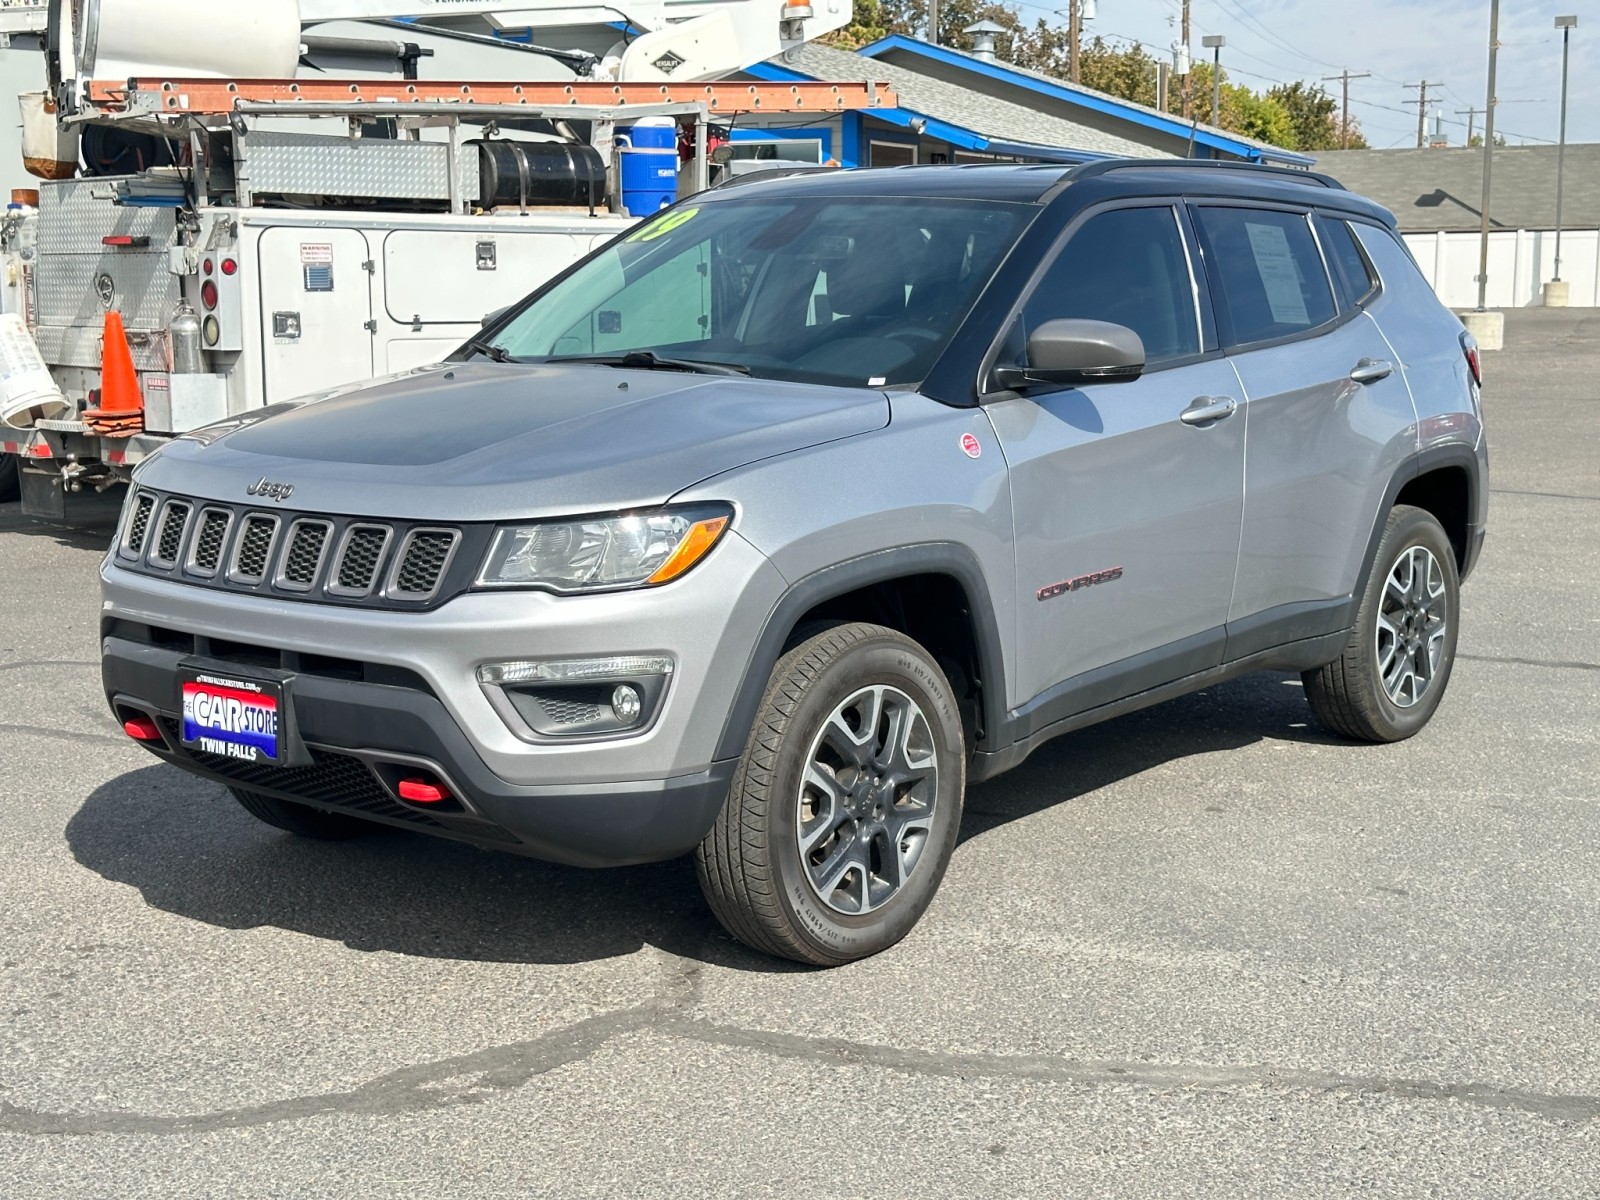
[229,267]
[419,791]
[141,729]
[208,266]
[208,294]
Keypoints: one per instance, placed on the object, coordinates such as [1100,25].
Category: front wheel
[845,808]
[302,819]
[1393,672]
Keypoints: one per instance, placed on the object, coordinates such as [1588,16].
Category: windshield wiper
[489,349]
[649,360]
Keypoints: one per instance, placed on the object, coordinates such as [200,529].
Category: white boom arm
[682,40]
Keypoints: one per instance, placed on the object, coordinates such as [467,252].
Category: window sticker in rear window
[1275,264]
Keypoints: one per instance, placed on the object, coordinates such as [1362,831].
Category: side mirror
[490,318]
[1077,352]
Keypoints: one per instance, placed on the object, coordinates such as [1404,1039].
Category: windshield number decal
[665,225]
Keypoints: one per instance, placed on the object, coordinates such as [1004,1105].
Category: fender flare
[883,566]
[1454,454]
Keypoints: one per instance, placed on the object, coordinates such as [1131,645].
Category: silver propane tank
[185,332]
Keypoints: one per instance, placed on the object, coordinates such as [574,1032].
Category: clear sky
[1400,42]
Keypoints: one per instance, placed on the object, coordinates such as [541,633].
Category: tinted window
[1126,266]
[1267,272]
[1351,274]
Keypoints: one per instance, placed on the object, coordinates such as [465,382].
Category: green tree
[1314,117]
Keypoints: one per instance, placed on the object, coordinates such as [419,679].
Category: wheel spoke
[873,761]
[1411,625]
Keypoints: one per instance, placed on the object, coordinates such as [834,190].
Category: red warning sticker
[970,446]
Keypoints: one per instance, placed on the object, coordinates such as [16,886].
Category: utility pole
[1422,109]
[933,21]
[1471,114]
[1488,155]
[1074,36]
[1162,71]
[1565,24]
[1344,119]
[1188,90]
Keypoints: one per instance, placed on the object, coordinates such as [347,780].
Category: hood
[499,441]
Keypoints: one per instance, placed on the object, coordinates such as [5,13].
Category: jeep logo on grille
[265,488]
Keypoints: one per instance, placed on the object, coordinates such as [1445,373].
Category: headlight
[631,550]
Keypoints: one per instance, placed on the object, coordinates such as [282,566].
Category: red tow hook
[141,729]
[420,791]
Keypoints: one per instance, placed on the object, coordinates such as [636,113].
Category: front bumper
[362,735]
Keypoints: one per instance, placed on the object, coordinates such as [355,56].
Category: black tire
[750,865]
[10,478]
[302,819]
[1349,695]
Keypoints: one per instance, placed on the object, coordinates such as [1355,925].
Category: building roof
[929,58]
[1442,189]
[994,119]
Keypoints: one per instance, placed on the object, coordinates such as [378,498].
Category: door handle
[1209,409]
[1370,370]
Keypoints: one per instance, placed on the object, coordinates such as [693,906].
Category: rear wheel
[845,808]
[302,819]
[10,478]
[1394,670]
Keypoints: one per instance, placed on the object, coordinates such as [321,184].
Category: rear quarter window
[1266,271]
[1352,275]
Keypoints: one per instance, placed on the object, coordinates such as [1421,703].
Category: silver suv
[768,527]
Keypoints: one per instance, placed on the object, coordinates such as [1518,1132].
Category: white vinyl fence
[1521,261]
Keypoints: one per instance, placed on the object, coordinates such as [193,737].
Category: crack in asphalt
[47,662]
[483,1074]
[1553,664]
[1545,495]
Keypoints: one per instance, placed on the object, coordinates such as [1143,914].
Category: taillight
[207,266]
[1469,347]
[208,294]
[229,266]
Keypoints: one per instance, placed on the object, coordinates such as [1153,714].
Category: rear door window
[1266,271]
[1352,277]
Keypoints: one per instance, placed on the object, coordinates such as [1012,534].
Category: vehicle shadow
[90,523]
[190,850]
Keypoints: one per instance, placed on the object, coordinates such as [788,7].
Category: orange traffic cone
[121,409]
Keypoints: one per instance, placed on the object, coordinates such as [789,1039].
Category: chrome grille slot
[251,552]
[420,566]
[205,555]
[360,555]
[302,560]
[139,523]
[169,536]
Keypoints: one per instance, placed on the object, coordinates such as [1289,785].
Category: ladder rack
[180,97]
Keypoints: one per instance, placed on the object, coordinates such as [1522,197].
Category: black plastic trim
[585,825]
[925,558]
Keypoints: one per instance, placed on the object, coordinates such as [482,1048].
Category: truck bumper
[362,737]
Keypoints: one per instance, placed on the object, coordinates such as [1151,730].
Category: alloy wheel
[1412,624]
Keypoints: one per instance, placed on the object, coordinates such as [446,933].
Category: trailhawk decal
[1081,582]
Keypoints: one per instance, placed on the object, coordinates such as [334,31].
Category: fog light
[627,703]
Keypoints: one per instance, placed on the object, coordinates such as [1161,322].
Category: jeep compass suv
[764,530]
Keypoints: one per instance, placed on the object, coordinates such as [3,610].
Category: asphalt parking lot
[1202,950]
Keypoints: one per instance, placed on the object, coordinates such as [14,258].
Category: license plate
[232,717]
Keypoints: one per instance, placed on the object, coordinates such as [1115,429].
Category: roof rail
[1091,169]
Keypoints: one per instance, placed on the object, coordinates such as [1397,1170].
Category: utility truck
[281,198]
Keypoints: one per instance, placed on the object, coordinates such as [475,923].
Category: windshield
[854,291]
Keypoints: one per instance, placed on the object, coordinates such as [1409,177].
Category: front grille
[174,520]
[307,540]
[143,505]
[250,559]
[363,551]
[327,558]
[422,562]
[208,543]
[333,779]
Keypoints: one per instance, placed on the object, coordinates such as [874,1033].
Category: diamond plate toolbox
[309,164]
